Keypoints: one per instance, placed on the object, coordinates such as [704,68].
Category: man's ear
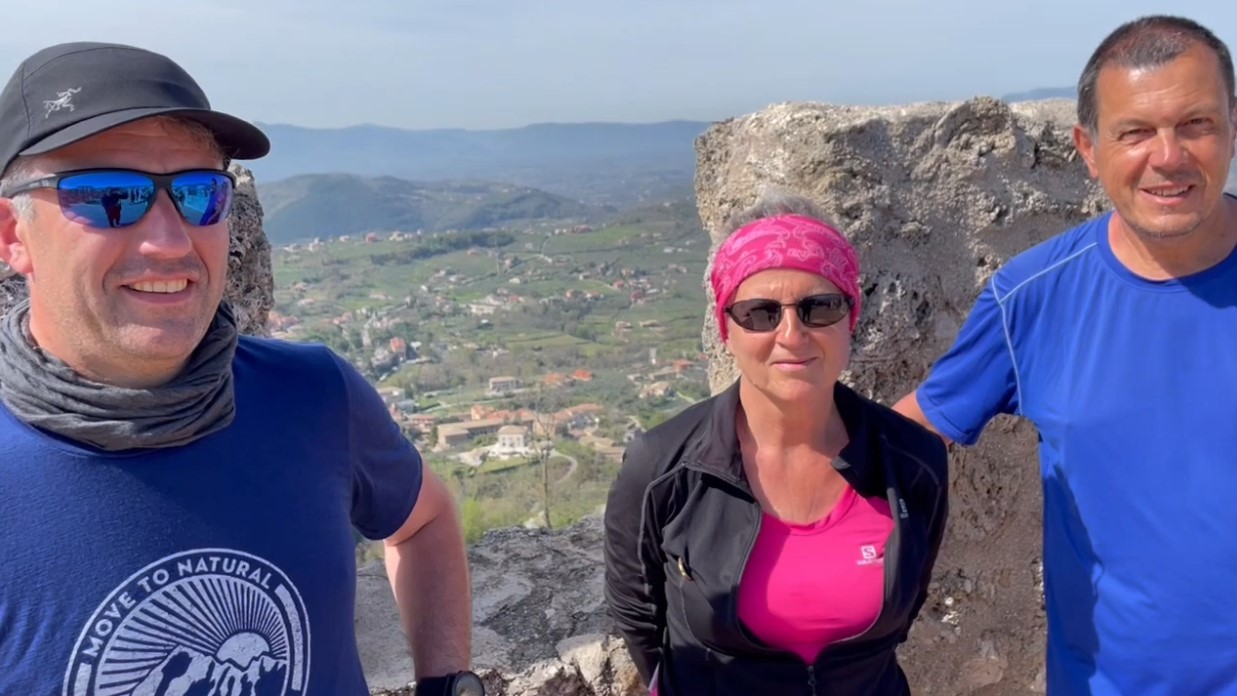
[1086,147]
[1232,123]
[13,250]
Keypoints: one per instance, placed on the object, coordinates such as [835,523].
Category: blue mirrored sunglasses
[121,197]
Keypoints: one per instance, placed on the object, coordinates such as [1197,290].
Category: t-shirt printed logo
[869,555]
[208,621]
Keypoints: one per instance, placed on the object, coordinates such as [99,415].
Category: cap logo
[63,100]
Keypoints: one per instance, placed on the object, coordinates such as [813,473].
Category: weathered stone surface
[12,288]
[251,286]
[935,197]
[540,626]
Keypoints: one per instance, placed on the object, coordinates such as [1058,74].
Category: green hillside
[621,304]
[330,205]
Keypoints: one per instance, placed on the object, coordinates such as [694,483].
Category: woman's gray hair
[24,168]
[773,204]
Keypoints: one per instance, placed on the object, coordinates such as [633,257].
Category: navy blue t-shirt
[226,566]
[1132,386]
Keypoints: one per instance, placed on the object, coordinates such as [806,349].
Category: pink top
[809,585]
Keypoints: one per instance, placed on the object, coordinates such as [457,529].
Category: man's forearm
[429,576]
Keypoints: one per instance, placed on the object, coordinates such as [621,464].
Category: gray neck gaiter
[47,394]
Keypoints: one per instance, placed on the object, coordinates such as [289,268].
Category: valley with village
[519,361]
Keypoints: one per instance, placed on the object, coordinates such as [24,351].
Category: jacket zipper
[734,590]
[896,505]
[889,574]
[889,581]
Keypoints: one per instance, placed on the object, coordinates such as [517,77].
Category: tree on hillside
[543,404]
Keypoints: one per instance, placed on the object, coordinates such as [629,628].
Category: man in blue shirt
[179,501]
[1116,339]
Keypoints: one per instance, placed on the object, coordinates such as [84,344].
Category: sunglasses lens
[120,199]
[817,311]
[106,199]
[203,198]
[823,310]
[756,315]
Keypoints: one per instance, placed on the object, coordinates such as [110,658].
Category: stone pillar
[251,283]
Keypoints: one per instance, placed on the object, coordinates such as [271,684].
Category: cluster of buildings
[518,432]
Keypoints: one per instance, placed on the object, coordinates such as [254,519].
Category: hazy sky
[501,63]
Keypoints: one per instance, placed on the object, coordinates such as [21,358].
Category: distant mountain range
[601,163]
[328,205]
[330,181]
[1042,93]
[612,164]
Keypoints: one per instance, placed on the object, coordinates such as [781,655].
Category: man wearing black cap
[178,500]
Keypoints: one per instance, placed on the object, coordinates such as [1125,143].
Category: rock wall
[934,197]
[251,283]
[540,626]
[251,287]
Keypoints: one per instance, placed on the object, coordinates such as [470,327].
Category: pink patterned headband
[785,241]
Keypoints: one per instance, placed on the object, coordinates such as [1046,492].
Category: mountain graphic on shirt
[187,672]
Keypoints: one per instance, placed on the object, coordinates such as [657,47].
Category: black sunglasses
[815,311]
[122,197]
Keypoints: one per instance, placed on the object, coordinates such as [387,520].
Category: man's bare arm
[428,569]
[909,407]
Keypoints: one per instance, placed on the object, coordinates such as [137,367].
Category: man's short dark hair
[1147,42]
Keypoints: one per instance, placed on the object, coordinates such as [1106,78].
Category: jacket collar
[717,451]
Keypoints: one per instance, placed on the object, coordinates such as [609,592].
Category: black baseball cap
[71,91]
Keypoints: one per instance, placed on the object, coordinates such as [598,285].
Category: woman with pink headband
[778,537]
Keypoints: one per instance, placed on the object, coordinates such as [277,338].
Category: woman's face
[793,362]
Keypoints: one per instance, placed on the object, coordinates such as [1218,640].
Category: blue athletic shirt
[226,566]
[1132,386]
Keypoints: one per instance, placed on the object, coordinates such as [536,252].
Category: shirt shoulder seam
[1038,274]
[1005,331]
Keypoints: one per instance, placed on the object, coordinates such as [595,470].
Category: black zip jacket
[681,522]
